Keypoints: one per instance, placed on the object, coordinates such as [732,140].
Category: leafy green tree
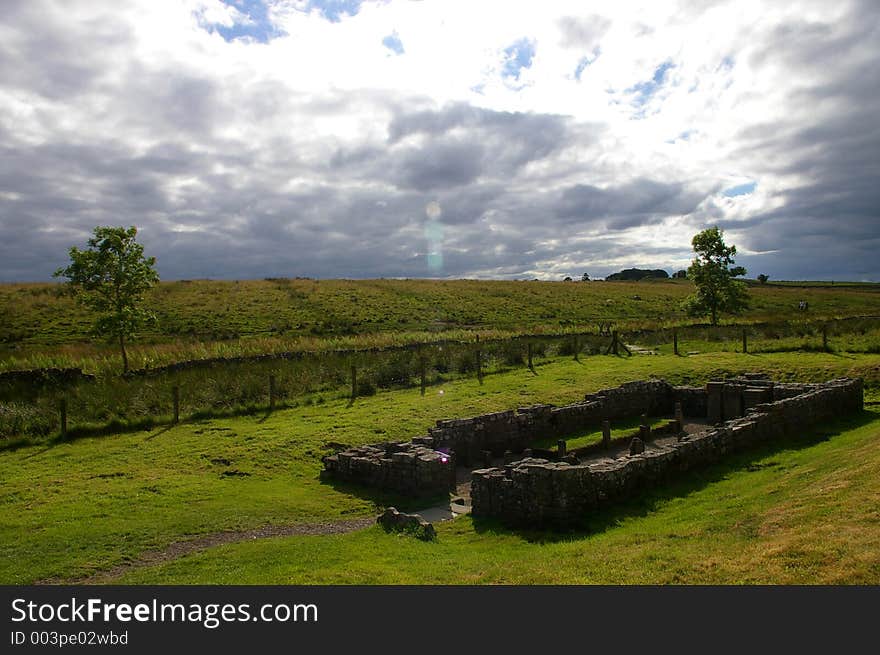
[110,277]
[763,278]
[712,273]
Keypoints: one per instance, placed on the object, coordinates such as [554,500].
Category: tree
[680,275]
[110,277]
[712,273]
[585,277]
[763,278]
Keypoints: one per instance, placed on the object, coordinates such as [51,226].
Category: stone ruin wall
[405,468]
[536,492]
[417,468]
[515,430]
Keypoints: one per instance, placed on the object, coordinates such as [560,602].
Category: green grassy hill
[40,326]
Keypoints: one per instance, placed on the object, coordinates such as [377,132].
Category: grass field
[791,514]
[387,329]
[41,326]
[71,509]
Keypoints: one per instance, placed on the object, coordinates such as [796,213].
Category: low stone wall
[405,468]
[45,376]
[536,492]
[417,467]
[516,430]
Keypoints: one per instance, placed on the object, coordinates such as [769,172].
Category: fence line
[504,354]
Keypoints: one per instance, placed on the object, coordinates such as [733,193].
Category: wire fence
[46,404]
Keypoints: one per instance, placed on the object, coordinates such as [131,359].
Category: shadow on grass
[382,499]
[161,432]
[692,481]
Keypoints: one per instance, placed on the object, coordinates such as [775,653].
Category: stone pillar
[561,449]
[487,459]
[636,446]
[423,378]
[732,403]
[679,415]
[479,362]
[715,401]
[755,396]
[606,434]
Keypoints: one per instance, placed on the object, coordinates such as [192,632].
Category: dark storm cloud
[456,146]
[439,165]
[830,222]
[628,205]
[511,139]
[46,54]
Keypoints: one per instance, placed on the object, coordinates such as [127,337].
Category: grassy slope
[34,317]
[86,505]
[795,514]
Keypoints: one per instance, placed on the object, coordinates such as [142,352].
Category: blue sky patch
[740,189]
[644,91]
[257,26]
[517,56]
[584,62]
[334,10]
[684,136]
[393,43]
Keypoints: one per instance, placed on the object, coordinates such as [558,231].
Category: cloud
[284,137]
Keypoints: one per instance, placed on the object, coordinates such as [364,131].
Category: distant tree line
[635,274]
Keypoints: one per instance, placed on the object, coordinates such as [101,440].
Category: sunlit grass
[70,508]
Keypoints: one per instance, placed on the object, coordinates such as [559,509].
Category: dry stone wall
[419,467]
[406,468]
[536,492]
[515,430]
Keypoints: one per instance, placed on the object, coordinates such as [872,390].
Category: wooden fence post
[745,341]
[63,409]
[675,340]
[175,398]
[423,378]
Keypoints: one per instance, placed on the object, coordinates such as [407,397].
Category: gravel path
[182,548]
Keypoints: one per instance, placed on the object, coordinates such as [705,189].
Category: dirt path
[182,548]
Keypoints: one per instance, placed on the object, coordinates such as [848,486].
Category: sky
[441,138]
